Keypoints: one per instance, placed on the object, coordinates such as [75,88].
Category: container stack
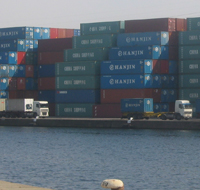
[189,64]
[77,78]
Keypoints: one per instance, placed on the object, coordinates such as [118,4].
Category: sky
[71,13]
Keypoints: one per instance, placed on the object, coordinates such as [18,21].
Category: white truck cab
[41,108]
[183,109]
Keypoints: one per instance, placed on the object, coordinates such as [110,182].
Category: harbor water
[81,158]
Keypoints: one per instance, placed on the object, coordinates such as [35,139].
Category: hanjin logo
[111,81]
[119,53]
[111,67]
[128,39]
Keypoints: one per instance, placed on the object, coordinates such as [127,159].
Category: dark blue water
[77,159]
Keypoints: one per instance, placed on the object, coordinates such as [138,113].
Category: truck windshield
[43,105]
[187,106]
[28,106]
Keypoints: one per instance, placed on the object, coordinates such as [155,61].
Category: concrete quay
[15,186]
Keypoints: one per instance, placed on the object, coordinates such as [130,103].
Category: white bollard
[113,184]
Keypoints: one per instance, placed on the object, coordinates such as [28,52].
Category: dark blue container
[16,33]
[164,95]
[173,81]
[8,57]
[12,45]
[31,84]
[161,107]
[115,67]
[45,33]
[156,107]
[12,70]
[77,32]
[4,83]
[165,81]
[37,33]
[46,70]
[136,52]
[156,81]
[4,94]
[173,67]
[20,71]
[137,105]
[47,95]
[4,70]
[77,96]
[197,105]
[122,81]
[172,95]
[148,81]
[164,52]
[143,39]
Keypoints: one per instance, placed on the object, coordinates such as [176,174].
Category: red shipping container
[107,111]
[52,109]
[173,52]
[21,83]
[173,38]
[21,58]
[55,45]
[150,25]
[65,33]
[16,94]
[46,83]
[164,66]
[45,58]
[114,96]
[53,33]
[30,71]
[156,66]
[181,24]
[12,83]
[31,94]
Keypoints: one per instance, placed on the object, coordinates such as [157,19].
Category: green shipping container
[193,23]
[189,52]
[189,38]
[189,66]
[74,110]
[88,54]
[94,41]
[189,81]
[190,94]
[77,68]
[102,28]
[77,82]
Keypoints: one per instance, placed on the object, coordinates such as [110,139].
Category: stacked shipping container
[189,60]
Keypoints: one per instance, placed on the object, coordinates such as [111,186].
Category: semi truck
[142,108]
[12,108]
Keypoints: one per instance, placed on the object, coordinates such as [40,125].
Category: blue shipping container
[46,70]
[12,70]
[156,81]
[77,32]
[47,95]
[4,83]
[139,52]
[31,84]
[45,33]
[161,107]
[20,71]
[37,33]
[16,33]
[4,70]
[137,105]
[143,38]
[4,94]
[197,105]
[115,67]
[8,57]
[77,96]
[12,45]
[173,67]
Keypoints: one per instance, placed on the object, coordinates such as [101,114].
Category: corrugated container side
[21,83]
[114,96]
[193,23]
[16,94]
[4,94]
[77,82]
[31,94]
[189,38]
[137,105]
[29,71]
[52,109]
[164,67]
[4,70]
[12,45]
[37,33]
[107,111]
[77,32]
[94,41]
[31,84]
[181,24]
[173,67]
[31,58]
[4,83]
[12,82]
[46,95]
[20,71]
[49,45]
[189,81]
[189,52]
[21,58]
[45,58]
[46,83]
[150,25]
[169,95]
[77,96]
[45,33]
[143,39]
[12,70]
[173,38]
[9,57]
[190,94]
[77,68]
[65,33]
[102,28]
[74,110]
[53,33]
[86,54]
[189,66]
[46,70]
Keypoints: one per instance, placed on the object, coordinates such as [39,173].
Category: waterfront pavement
[15,186]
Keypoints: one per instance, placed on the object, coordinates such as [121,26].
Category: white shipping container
[19,105]
[2,104]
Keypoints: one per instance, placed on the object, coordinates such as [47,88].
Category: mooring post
[113,184]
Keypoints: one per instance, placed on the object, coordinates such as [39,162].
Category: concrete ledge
[15,186]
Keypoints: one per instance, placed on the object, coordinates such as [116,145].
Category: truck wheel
[163,117]
[178,117]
